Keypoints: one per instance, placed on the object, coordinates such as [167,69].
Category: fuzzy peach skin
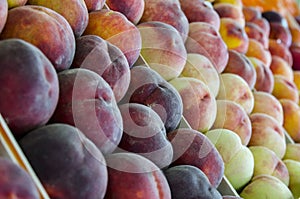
[257,50]
[3,13]
[267,103]
[292,151]
[235,88]
[198,66]
[280,49]
[255,32]
[267,132]
[285,89]
[280,67]
[230,11]
[232,116]
[291,113]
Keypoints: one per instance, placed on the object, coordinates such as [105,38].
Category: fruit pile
[152,98]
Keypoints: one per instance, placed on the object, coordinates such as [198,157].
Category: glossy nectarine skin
[29,86]
[87,102]
[107,60]
[191,147]
[44,28]
[15,182]
[143,178]
[68,164]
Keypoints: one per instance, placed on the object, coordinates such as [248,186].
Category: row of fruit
[152,98]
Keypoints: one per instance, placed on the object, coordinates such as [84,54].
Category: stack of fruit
[153,98]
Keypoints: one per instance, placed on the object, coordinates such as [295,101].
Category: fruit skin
[3,13]
[238,160]
[292,151]
[206,40]
[234,35]
[267,103]
[266,186]
[173,15]
[233,87]
[280,49]
[199,104]
[144,133]
[132,9]
[232,116]
[273,16]
[16,3]
[143,178]
[267,162]
[93,5]
[285,89]
[114,27]
[191,147]
[228,10]
[15,182]
[107,60]
[149,88]
[257,33]
[29,86]
[239,64]
[200,11]
[162,48]
[83,174]
[199,67]
[87,102]
[294,171]
[295,52]
[189,182]
[257,50]
[280,32]
[264,76]
[74,11]
[268,133]
[280,67]
[44,28]
[291,113]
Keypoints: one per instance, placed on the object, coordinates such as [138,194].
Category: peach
[74,11]
[93,5]
[144,133]
[149,88]
[114,27]
[251,13]
[273,16]
[232,116]
[198,66]
[191,147]
[263,24]
[268,133]
[16,3]
[267,103]
[234,35]
[29,86]
[295,52]
[268,163]
[255,32]
[294,29]
[239,64]
[291,114]
[87,102]
[16,182]
[280,49]
[296,78]
[189,182]
[237,3]
[204,39]
[294,171]
[162,48]
[280,67]
[238,160]
[257,50]
[83,174]
[280,32]
[44,28]
[200,11]
[292,152]
[266,186]
[132,9]
[235,88]
[285,89]
[264,76]
[173,15]
[228,10]
[107,60]
[143,178]
[3,13]
[199,104]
